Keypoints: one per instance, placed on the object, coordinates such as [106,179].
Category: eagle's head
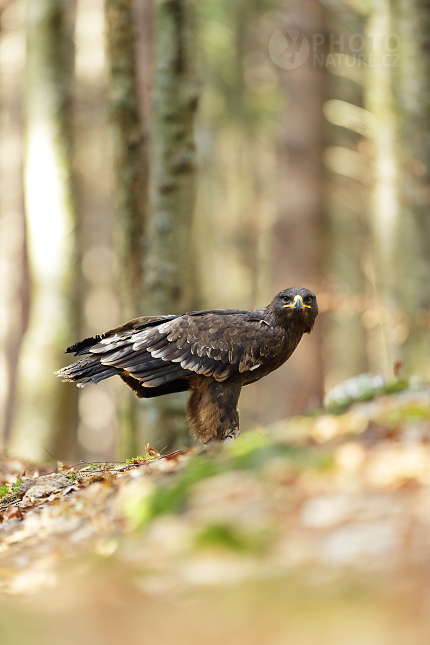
[297,306]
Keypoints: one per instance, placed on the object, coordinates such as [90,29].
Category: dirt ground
[316,530]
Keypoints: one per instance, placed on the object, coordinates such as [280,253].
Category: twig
[3,507]
[125,467]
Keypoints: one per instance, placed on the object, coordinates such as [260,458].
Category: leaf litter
[343,498]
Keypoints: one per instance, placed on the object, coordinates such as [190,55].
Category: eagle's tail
[88,370]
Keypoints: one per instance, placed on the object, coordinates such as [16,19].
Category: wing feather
[205,365]
[156,343]
[191,363]
[142,360]
[157,380]
[104,347]
[118,356]
[219,344]
[170,353]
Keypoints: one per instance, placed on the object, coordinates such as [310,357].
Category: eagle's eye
[286,298]
[307,300]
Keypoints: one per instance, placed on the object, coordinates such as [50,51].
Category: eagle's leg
[212,409]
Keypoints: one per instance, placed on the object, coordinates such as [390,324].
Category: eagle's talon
[231,436]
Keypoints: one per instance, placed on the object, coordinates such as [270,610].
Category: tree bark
[411,266]
[348,193]
[131,173]
[131,178]
[46,416]
[14,279]
[380,100]
[169,258]
[300,234]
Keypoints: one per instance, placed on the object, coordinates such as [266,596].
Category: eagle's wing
[124,331]
[209,343]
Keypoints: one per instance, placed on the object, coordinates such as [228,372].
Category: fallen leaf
[13,512]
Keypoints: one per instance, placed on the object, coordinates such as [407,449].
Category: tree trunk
[299,241]
[347,160]
[14,279]
[380,100]
[411,268]
[131,177]
[169,258]
[46,411]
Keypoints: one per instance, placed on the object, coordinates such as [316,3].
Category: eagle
[211,353]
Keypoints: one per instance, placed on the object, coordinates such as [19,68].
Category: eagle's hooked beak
[298,304]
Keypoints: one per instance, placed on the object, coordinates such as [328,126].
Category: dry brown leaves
[63,513]
[331,501]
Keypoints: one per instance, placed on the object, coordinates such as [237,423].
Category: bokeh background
[161,157]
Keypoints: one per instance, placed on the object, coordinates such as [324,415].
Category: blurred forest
[162,156]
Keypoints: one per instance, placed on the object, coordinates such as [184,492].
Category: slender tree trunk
[131,179]
[347,160]
[380,100]
[299,241]
[169,261]
[411,267]
[169,258]
[46,411]
[14,279]
[129,158]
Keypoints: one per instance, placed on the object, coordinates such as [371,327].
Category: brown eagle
[212,353]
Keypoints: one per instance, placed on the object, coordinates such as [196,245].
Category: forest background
[159,157]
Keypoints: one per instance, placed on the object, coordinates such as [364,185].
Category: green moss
[140,458]
[252,454]
[135,460]
[340,407]
[249,451]
[410,412]
[231,537]
[171,497]
[320,460]
[9,490]
[253,451]
[221,535]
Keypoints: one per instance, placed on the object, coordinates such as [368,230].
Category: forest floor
[316,530]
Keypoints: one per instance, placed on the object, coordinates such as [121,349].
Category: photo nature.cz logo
[290,48]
